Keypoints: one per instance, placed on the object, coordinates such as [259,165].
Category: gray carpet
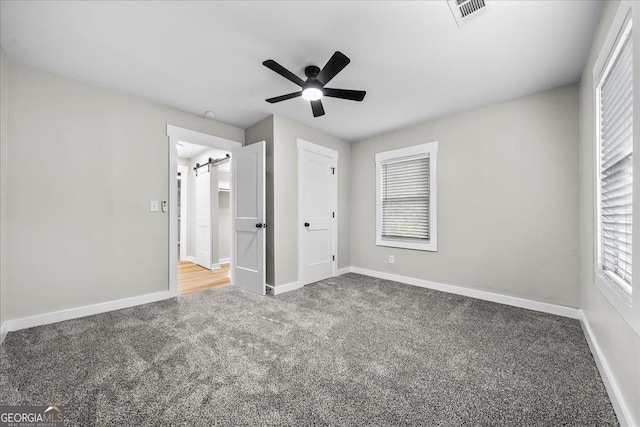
[345,351]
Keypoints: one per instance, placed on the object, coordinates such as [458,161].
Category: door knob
[259,225]
[306,224]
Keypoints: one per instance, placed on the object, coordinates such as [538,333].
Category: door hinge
[333,171]
[334,214]
[334,257]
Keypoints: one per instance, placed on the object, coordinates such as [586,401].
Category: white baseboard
[225,260]
[88,310]
[344,271]
[215,266]
[4,330]
[621,409]
[191,259]
[281,289]
[544,307]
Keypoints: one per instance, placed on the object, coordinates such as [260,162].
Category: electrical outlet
[392,259]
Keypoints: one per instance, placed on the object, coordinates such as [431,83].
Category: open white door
[317,206]
[248,245]
[203,218]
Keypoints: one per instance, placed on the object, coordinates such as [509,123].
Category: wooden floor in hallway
[193,278]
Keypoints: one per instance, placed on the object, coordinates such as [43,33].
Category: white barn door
[248,243]
[203,218]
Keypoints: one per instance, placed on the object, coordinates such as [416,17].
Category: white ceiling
[188,150]
[410,57]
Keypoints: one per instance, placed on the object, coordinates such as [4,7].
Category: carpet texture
[350,350]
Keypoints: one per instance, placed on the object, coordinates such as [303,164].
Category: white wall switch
[392,259]
[153,206]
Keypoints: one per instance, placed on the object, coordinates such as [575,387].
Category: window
[406,198]
[613,81]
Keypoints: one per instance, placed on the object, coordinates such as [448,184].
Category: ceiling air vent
[465,11]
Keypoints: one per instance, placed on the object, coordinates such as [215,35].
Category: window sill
[618,299]
[429,247]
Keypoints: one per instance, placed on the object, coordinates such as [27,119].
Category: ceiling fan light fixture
[313,89]
[312,94]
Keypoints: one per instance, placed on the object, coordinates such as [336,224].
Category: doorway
[194,155]
[204,214]
[317,212]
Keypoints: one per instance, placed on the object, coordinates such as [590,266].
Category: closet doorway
[204,217]
[201,202]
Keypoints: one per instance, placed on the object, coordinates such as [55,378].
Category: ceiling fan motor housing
[311,72]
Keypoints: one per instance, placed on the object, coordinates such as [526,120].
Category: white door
[248,243]
[317,202]
[203,218]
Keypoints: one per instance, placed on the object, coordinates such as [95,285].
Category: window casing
[406,204]
[617,189]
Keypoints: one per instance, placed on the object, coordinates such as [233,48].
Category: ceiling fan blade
[284,97]
[317,108]
[337,62]
[353,95]
[273,65]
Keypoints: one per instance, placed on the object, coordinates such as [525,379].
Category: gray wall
[619,344]
[286,133]
[281,137]
[81,179]
[507,200]
[3,184]
[263,131]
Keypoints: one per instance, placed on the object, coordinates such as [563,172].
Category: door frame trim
[175,134]
[184,201]
[333,154]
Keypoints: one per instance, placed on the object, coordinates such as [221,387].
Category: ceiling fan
[313,88]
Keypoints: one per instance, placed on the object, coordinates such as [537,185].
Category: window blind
[616,167]
[405,199]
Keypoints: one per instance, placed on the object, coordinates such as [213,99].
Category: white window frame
[430,149]
[629,308]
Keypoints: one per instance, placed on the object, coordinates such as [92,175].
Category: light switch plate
[153,206]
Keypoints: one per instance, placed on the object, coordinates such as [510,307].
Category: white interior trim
[544,307]
[184,200]
[429,149]
[622,411]
[4,330]
[628,310]
[88,310]
[344,271]
[281,289]
[176,134]
[610,40]
[215,266]
[318,149]
[224,260]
